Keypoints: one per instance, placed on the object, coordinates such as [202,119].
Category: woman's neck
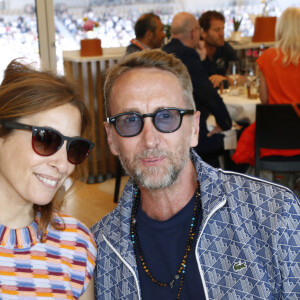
[14,214]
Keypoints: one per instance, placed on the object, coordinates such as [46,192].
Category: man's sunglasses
[165,120]
[47,141]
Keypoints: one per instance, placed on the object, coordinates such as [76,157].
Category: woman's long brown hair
[25,91]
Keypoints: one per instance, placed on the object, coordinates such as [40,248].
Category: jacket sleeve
[288,246]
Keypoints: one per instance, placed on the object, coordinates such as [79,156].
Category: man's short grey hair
[153,58]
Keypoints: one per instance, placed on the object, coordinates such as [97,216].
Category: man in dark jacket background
[186,45]
[218,52]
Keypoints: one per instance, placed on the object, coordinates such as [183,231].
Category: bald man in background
[186,45]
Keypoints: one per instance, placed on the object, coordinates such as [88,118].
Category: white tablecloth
[240,107]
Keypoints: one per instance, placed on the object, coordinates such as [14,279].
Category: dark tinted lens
[78,151]
[167,120]
[46,142]
[129,124]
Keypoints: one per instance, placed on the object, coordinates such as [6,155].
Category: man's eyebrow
[137,110]
[129,110]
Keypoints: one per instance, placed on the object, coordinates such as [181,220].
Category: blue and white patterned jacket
[248,246]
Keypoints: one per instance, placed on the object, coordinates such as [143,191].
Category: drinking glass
[234,73]
[251,75]
[251,72]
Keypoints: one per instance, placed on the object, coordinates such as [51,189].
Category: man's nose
[150,134]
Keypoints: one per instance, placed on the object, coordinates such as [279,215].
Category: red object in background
[90,47]
[264,29]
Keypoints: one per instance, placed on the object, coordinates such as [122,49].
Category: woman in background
[280,66]
[43,253]
[279,84]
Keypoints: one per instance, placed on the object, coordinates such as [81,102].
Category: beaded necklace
[138,251]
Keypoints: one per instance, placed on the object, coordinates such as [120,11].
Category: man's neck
[210,51]
[163,204]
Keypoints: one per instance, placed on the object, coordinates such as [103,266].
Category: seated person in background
[44,254]
[182,229]
[280,66]
[279,80]
[149,33]
[218,52]
[186,45]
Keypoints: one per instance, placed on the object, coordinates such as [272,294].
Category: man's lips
[152,161]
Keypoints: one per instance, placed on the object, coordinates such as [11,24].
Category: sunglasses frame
[35,129]
[182,113]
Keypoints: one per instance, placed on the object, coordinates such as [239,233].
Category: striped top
[60,268]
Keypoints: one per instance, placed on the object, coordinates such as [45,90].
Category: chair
[277,127]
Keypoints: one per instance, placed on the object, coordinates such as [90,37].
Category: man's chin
[155,178]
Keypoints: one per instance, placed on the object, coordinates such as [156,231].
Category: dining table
[240,107]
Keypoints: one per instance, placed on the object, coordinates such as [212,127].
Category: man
[186,45]
[218,52]
[149,32]
[182,229]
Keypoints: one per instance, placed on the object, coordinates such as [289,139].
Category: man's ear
[195,129]
[149,35]
[110,139]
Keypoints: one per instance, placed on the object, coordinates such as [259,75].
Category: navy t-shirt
[163,245]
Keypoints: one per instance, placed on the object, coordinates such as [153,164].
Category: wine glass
[233,74]
[251,72]
[251,75]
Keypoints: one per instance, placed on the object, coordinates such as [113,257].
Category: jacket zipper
[216,208]
[126,264]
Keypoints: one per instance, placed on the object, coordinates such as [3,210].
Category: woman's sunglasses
[47,141]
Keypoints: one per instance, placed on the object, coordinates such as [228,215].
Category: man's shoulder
[227,45]
[176,46]
[226,50]
[240,187]
[132,48]
[117,218]
[244,187]
[103,225]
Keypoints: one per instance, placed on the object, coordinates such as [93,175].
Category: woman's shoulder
[268,57]
[69,221]
[269,53]
[73,229]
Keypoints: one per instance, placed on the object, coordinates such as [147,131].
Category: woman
[279,84]
[43,253]
[280,66]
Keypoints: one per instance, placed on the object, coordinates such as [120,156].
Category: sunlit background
[19,33]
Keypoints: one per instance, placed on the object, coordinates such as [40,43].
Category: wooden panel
[89,77]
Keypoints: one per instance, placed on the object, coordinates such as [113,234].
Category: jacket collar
[117,224]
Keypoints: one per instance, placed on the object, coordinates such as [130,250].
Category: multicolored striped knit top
[60,268]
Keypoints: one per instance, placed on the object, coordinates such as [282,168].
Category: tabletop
[240,107]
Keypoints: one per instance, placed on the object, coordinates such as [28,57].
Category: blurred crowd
[19,38]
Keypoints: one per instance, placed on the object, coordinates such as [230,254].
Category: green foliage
[236,23]
[167,29]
